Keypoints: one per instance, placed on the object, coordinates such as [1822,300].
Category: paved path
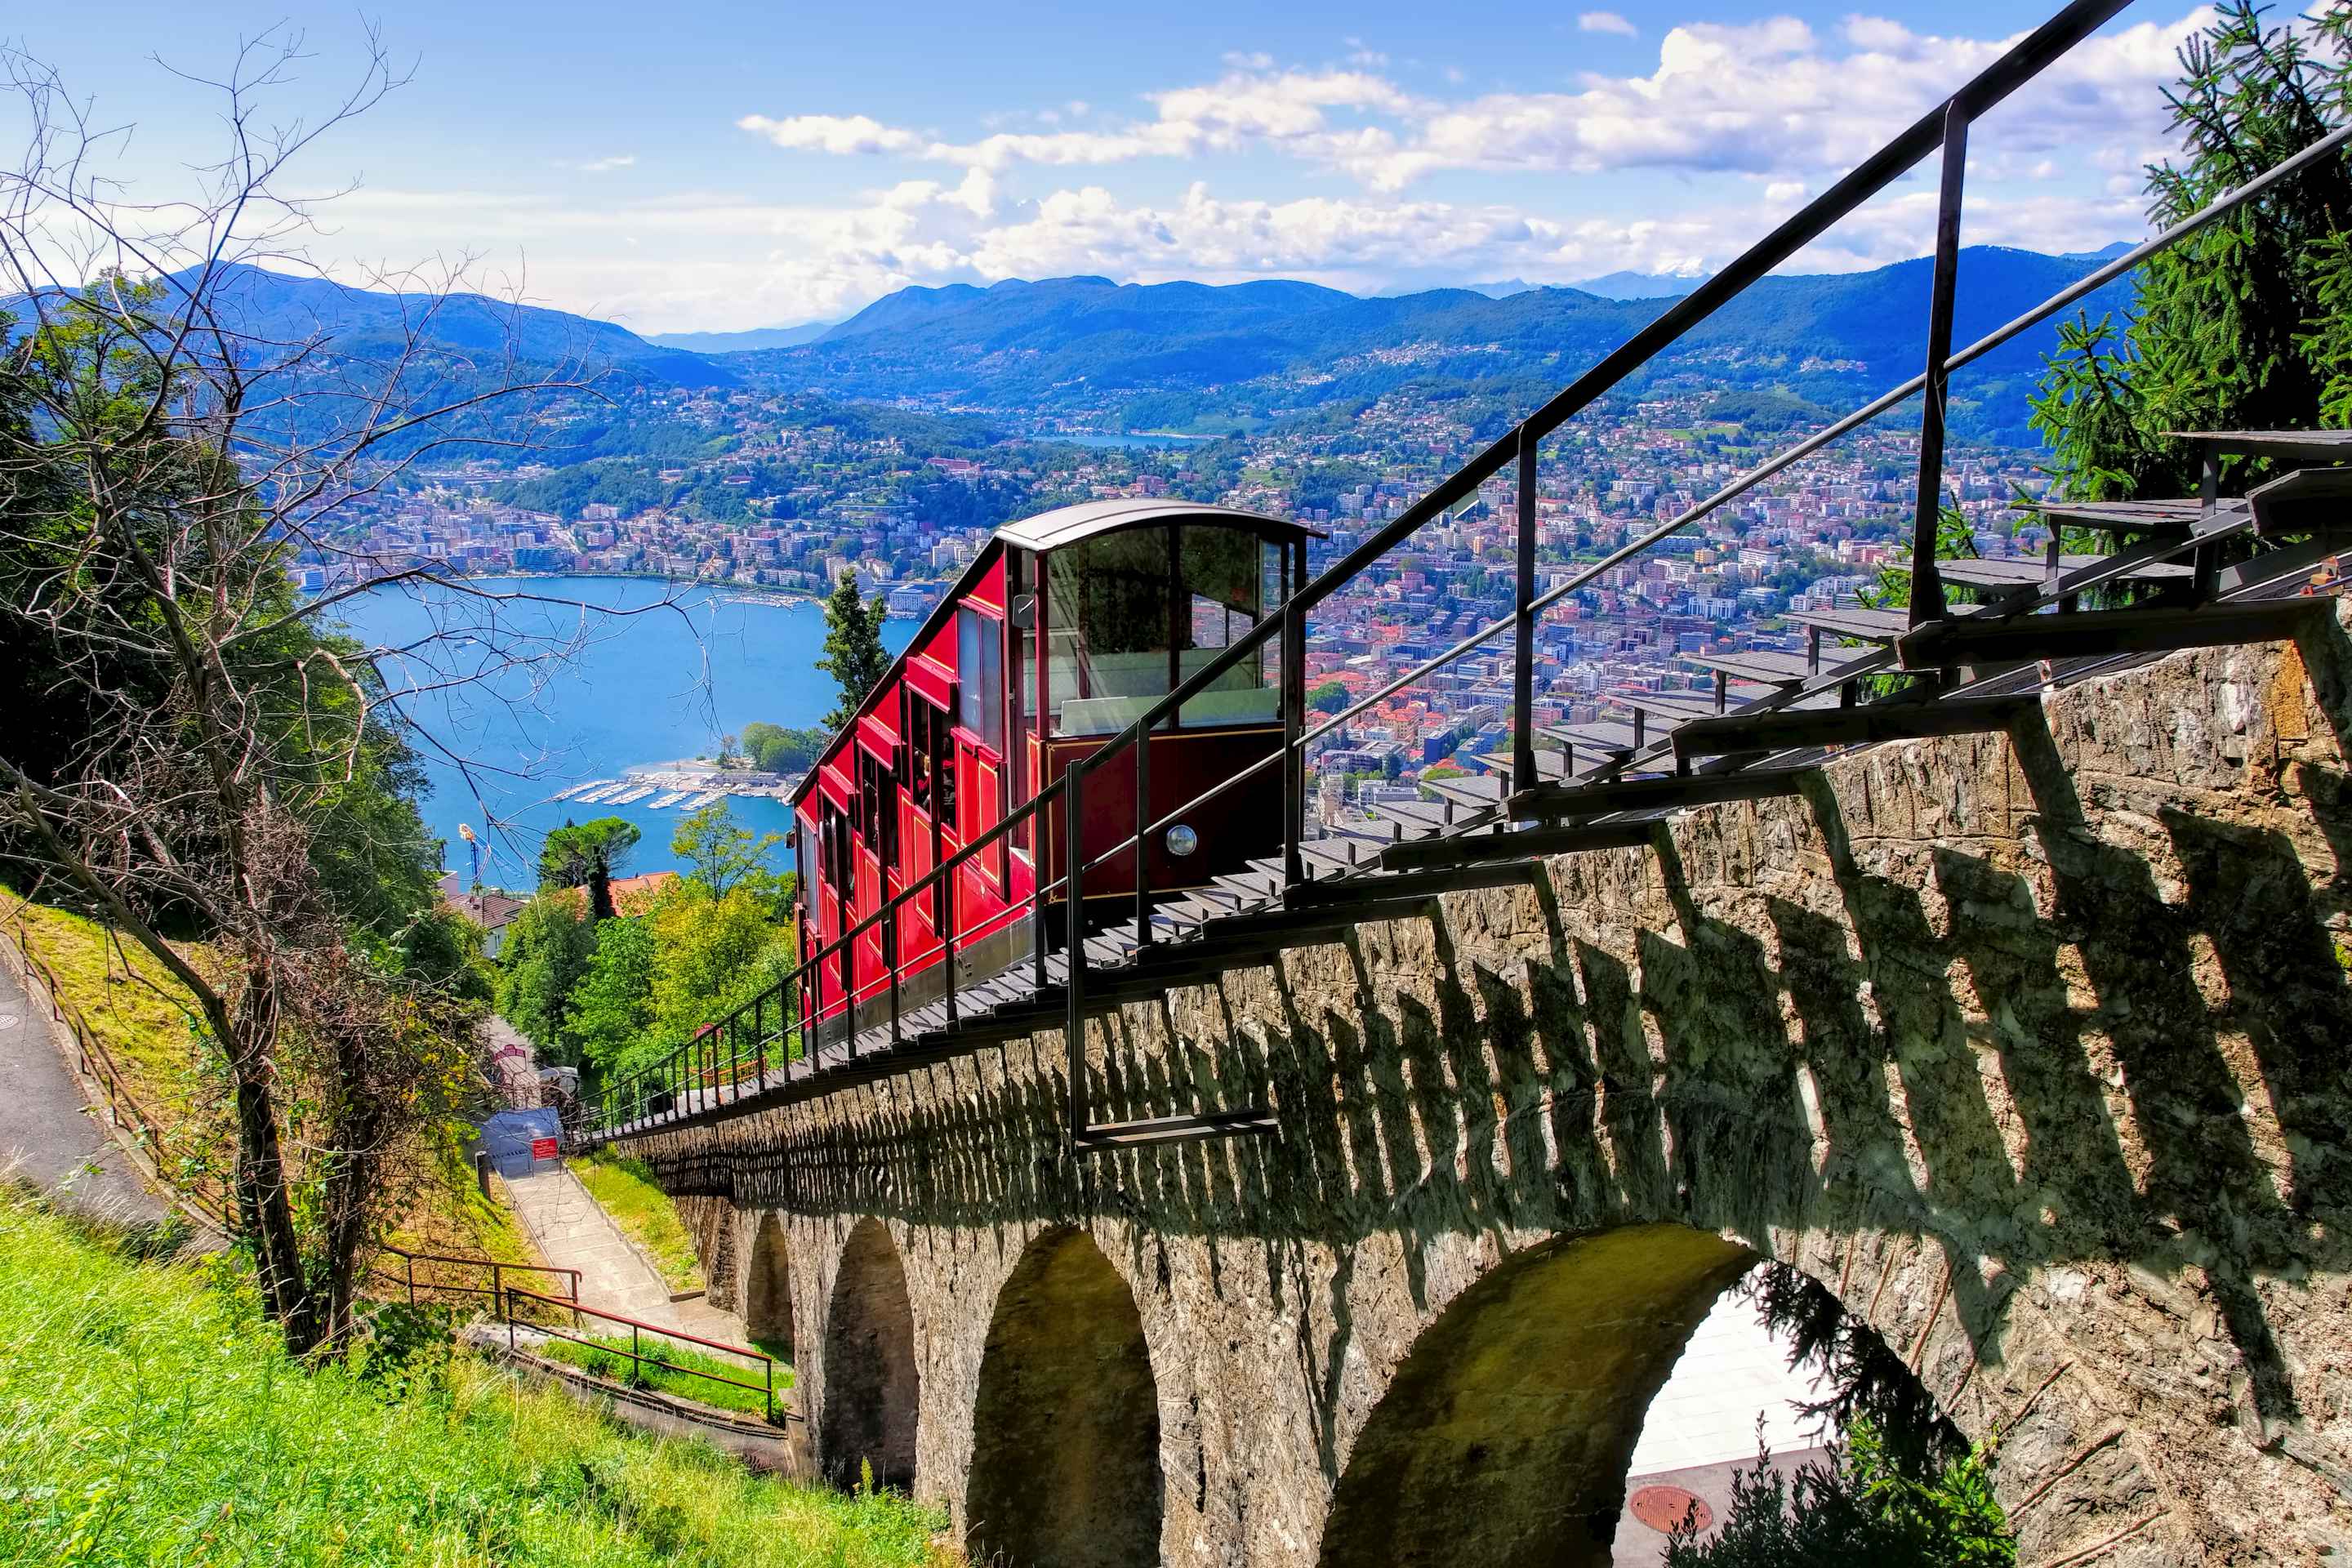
[573,1231]
[49,1136]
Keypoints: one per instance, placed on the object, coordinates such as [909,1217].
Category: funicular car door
[833,903]
[927,764]
[877,826]
[979,764]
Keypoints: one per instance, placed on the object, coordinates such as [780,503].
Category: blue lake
[1146,438]
[656,685]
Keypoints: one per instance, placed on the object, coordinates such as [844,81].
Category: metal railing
[1945,126]
[715,1063]
[419,1290]
[638,1357]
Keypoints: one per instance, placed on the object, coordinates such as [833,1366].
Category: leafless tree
[167,451]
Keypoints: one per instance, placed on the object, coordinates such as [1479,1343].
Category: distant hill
[1503,289]
[2104,252]
[278,308]
[1190,355]
[739,342]
[1643,285]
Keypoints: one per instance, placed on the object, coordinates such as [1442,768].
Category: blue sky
[700,167]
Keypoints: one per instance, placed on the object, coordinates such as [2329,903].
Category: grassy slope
[146,1418]
[139,1011]
[130,1002]
[625,1189]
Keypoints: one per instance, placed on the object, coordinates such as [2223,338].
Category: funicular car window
[1227,576]
[1106,610]
[980,678]
[917,750]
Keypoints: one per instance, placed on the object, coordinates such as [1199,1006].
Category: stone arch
[1065,1431]
[872,1389]
[768,1285]
[1504,1435]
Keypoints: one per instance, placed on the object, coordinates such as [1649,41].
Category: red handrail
[638,1325]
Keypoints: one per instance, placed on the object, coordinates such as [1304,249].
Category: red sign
[544,1148]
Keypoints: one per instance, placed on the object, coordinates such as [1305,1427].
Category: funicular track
[2158,575]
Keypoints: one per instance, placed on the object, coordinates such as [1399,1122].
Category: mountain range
[1193,356]
[1202,357]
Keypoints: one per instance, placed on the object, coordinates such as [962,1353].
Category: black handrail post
[1523,676]
[1927,582]
[947,943]
[1038,826]
[890,940]
[942,892]
[1074,1026]
[1143,841]
[1294,761]
[849,996]
[760,1039]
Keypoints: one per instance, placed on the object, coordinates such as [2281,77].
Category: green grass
[147,1416]
[702,1390]
[627,1191]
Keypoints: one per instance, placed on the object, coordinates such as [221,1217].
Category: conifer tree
[854,655]
[2244,325]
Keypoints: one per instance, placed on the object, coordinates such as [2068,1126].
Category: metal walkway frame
[1970,667]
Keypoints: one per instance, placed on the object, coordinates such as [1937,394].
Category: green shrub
[1860,1506]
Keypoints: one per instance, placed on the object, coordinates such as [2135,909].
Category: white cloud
[1771,98]
[606,166]
[836,133]
[1745,123]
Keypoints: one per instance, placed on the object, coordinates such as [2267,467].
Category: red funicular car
[1065,631]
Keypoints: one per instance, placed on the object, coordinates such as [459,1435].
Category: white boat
[705,798]
[663,801]
[631,796]
[582,788]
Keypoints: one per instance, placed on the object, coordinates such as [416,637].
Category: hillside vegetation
[142,1018]
[148,1414]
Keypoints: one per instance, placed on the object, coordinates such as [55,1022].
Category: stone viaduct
[2028,1046]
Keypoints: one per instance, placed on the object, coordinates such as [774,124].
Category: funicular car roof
[1069,524]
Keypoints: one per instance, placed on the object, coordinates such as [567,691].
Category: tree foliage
[547,948]
[587,855]
[854,655]
[777,750]
[711,951]
[1869,1382]
[1858,1507]
[723,854]
[2243,325]
[609,1013]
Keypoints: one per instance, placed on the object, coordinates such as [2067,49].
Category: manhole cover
[1664,1508]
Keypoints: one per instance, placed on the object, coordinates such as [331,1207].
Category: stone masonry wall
[2030,1046]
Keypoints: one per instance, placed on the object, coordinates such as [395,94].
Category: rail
[1945,126]
[638,1357]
